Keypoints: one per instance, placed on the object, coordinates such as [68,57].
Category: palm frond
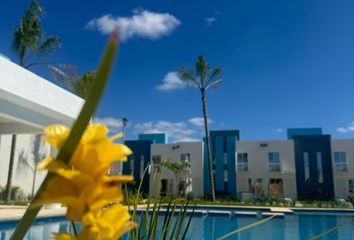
[202,69]
[49,45]
[187,76]
[214,75]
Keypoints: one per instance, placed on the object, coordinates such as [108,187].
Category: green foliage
[328,231]
[17,194]
[206,76]
[246,227]
[66,74]
[29,38]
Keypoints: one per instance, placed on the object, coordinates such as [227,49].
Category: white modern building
[28,103]
[169,183]
[266,168]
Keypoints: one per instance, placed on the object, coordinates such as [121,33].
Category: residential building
[166,181]
[266,168]
[156,138]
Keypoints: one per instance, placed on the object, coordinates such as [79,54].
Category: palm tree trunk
[34,181]
[10,171]
[205,115]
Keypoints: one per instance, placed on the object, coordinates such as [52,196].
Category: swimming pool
[300,225]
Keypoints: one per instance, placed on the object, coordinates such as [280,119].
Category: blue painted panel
[156,138]
[312,188]
[291,132]
[207,189]
[232,187]
[139,148]
[219,175]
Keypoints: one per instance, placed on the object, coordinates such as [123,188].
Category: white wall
[167,152]
[24,164]
[258,165]
[28,102]
[341,178]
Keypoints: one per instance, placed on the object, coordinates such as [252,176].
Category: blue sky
[285,63]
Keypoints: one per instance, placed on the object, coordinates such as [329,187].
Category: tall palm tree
[204,78]
[29,40]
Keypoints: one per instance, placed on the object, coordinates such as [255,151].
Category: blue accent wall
[221,142]
[139,148]
[303,132]
[312,188]
[218,151]
[156,138]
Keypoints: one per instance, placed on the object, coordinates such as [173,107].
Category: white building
[164,179]
[28,103]
[266,167]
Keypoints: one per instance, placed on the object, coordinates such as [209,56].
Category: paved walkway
[12,213]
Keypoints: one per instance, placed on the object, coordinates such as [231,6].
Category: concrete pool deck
[14,213]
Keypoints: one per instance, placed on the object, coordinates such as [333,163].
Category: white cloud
[348,128]
[114,124]
[210,20]
[342,130]
[171,82]
[176,131]
[142,23]
[279,130]
[199,121]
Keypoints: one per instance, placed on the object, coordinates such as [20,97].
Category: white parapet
[29,102]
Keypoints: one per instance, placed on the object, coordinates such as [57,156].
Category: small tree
[38,152]
[181,172]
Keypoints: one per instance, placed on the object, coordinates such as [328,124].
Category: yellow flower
[55,135]
[110,224]
[96,151]
[83,185]
[80,192]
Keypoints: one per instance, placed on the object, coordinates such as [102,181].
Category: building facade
[307,165]
[222,148]
[266,168]
[168,182]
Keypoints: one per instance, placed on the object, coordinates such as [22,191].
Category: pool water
[294,226]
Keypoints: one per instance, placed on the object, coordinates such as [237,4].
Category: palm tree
[29,40]
[205,77]
[66,75]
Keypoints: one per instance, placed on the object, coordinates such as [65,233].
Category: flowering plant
[83,186]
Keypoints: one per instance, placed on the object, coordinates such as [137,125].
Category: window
[226,175]
[225,158]
[131,165]
[351,186]
[142,166]
[274,162]
[319,167]
[340,162]
[242,162]
[156,163]
[306,166]
[185,157]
